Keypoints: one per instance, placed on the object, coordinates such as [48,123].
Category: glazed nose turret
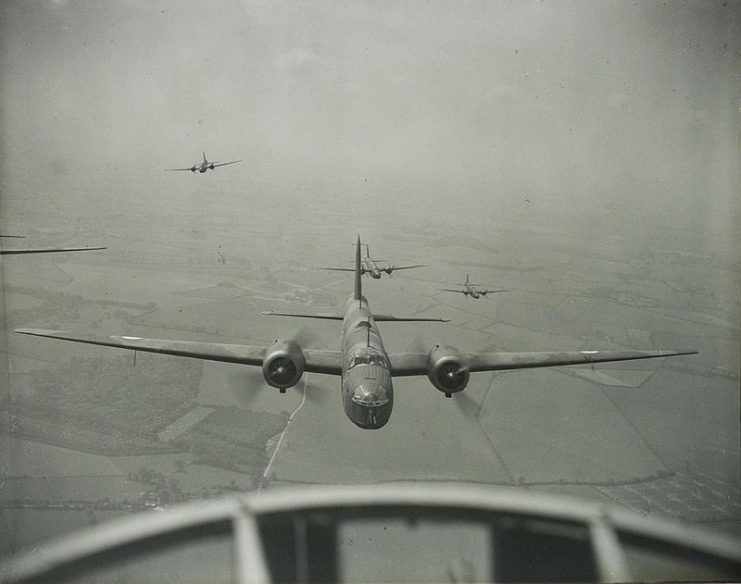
[370,394]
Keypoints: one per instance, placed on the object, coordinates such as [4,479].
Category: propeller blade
[305,336]
[421,345]
[246,386]
[468,406]
[313,394]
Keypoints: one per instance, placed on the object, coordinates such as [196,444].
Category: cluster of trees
[125,404]
[233,439]
[55,305]
[166,489]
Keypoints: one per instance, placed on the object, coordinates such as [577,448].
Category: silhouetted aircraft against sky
[472,290]
[204,166]
[363,364]
[370,266]
[42,249]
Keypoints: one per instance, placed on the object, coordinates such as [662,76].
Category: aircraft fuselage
[367,389]
[372,268]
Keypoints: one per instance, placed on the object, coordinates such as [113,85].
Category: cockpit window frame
[368,359]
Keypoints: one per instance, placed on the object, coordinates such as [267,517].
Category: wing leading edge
[407,364]
[330,362]
[48,250]
[394,268]
[218,164]
[317,360]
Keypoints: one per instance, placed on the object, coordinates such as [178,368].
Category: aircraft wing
[173,169]
[485,292]
[407,364]
[48,250]
[317,360]
[451,290]
[225,163]
[394,268]
[339,269]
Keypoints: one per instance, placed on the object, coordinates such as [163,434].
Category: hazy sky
[592,103]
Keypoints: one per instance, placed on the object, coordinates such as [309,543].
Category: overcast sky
[587,102]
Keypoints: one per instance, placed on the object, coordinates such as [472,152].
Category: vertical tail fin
[204,157]
[358,285]
[466,278]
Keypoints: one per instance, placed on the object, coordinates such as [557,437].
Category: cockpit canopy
[368,359]
[405,533]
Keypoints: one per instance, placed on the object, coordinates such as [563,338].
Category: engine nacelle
[389,270]
[283,365]
[211,166]
[447,370]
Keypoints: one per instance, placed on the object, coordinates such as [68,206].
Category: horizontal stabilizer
[325,316]
[391,318]
[339,269]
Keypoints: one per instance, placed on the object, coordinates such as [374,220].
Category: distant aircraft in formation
[204,166]
[364,366]
[472,290]
[370,266]
[42,249]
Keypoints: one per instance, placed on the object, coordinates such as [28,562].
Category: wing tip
[35,332]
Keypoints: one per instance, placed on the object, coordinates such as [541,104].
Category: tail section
[204,157]
[358,273]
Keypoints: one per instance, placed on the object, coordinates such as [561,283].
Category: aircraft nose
[370,394]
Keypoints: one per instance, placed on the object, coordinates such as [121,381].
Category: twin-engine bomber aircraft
[43,249]
[472,290]
[363,364]
[204,166]
[370,266]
